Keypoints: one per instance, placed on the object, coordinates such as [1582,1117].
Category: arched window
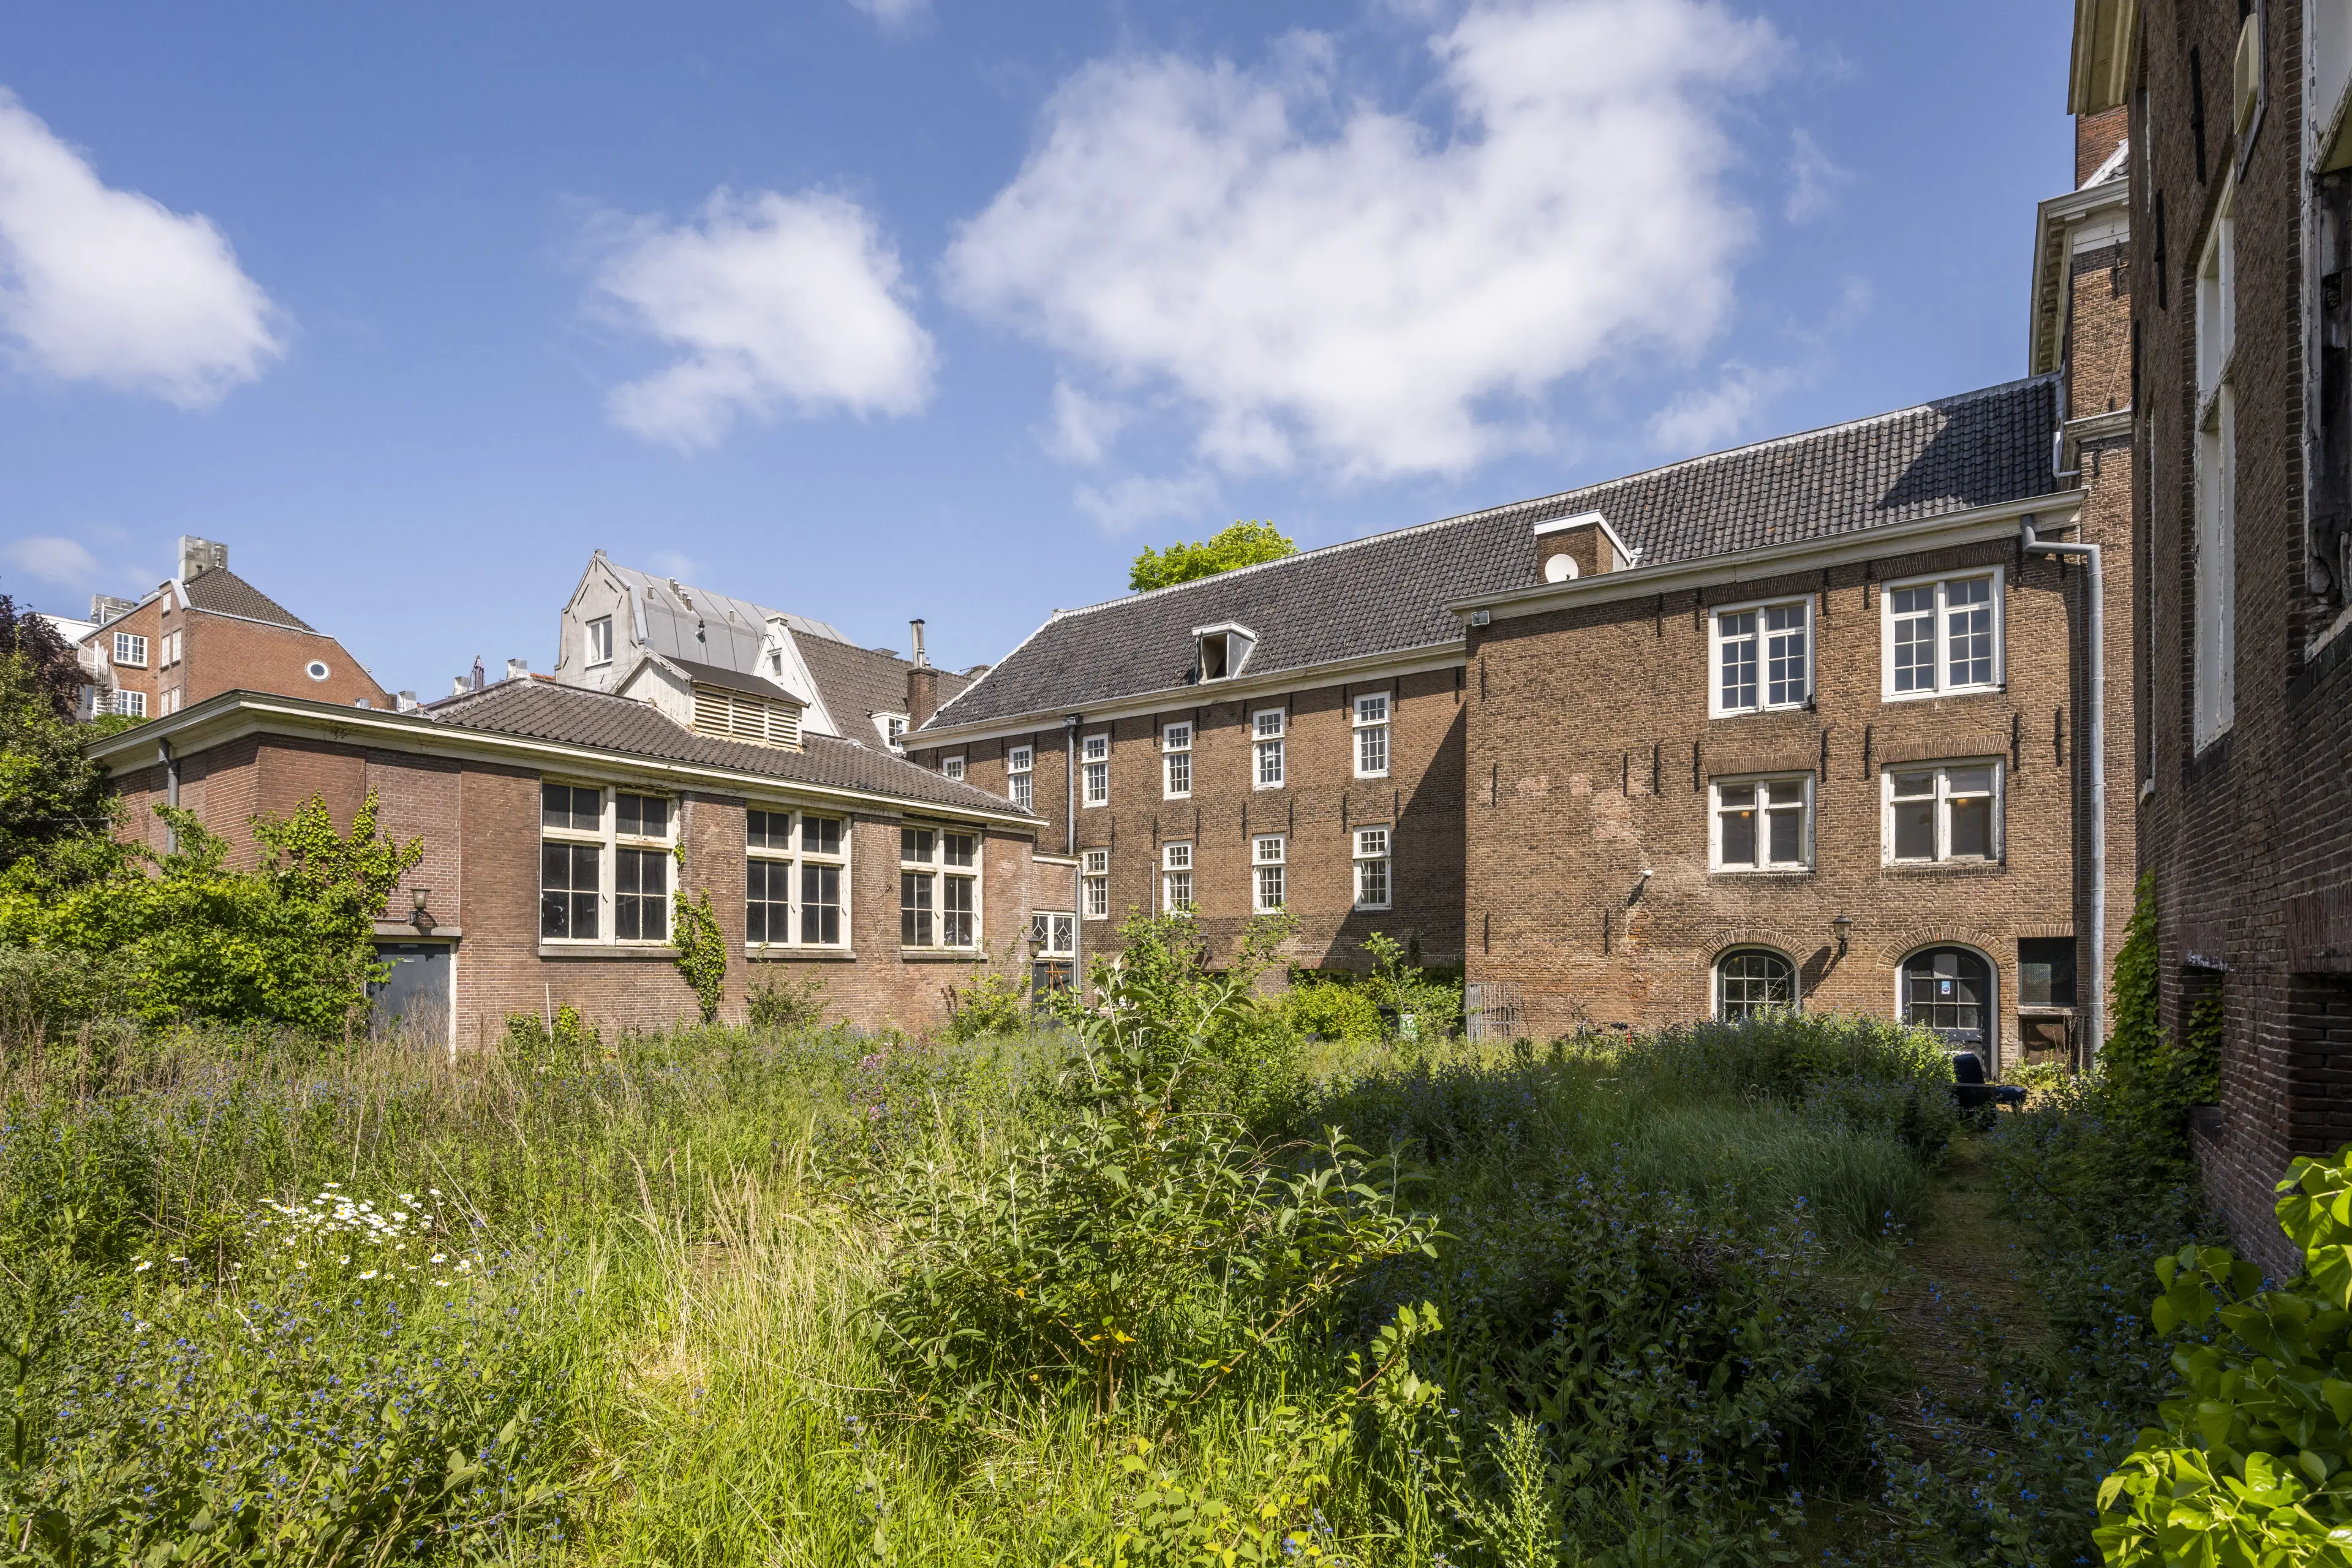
[1752,980]
[1949,990]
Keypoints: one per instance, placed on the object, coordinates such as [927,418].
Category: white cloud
[896,16]
[1814,181]
[1705,418]
[112,287]
[1315,278]
[777,302]
[60,563]
[1084,426]
[1131,502]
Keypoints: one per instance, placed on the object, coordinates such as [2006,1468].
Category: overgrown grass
[1654,1336]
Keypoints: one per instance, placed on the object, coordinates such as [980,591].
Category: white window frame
[1269,852]
[598,651]
[1373,727]
[1943,770]
[1375,846]
[1176,760]
[131,648]
[609,840]
[1059,937]
[939,872]
[169,703]
[1715,978]
[1094,770]
[953,767]
[1176,860]
[131,704]
[1020,765]
[796,856]
[1094,884]
[1715,808]
[2213,694]
[1939,583]
[1269,743]
[1716,708]
[170,651]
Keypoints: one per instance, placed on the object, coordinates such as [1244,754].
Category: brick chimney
[922,683]
[1579,546]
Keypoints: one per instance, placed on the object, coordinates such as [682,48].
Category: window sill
[1760,712]
[401,931]
[941,955]
[1944,868]
[1372,775]
[1780,871]
[1371,909]
[660,949]
[784,952]
[2000,690]
[1268,788]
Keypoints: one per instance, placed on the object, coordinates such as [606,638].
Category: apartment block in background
[208,631]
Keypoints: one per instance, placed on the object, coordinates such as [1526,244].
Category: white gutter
[2096,1006]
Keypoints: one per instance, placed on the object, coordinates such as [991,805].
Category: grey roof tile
[225,593]
[858,682]
[576,716]
[1388,592]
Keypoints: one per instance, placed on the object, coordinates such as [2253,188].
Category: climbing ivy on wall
[701,950]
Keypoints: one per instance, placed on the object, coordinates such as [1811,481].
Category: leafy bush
[991,1005]
[786,1008]
[1141,1250]
[2252,1457]
[1330,1008]
[1221,1045]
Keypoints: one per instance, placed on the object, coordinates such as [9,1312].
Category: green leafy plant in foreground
[2253,1463]
[701,950]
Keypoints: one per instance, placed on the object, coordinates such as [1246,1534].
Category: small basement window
[1224,649]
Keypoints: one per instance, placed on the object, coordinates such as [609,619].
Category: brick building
[2243,187]
[557,822]
[205,631]
[1505,736]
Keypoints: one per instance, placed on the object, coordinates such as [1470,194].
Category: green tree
[55,806]
[291,942]
[1243,544]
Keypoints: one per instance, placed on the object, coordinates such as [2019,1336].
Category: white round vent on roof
[1560,568]
[315,669]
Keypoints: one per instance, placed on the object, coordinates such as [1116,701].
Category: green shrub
[1225,1048]
[776,1004]
[2252,1457]
[1333,1009]
[991,1005]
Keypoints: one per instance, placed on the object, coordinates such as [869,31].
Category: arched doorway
[1950,990]
[1749,981]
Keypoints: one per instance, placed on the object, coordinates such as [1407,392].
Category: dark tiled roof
[1387,593]
[727,679]
[225,593]
[575,716]
[858,682]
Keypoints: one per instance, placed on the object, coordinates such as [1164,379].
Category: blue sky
[892,308]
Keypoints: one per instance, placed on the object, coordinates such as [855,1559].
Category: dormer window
[1568,548]
[1224,649]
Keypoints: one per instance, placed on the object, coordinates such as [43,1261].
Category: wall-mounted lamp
[417,915]
[1635,895]
[1842,925]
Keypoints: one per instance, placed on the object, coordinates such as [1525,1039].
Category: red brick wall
[2249,841]
[1317,810]
[1589,748]
[222,653]
[479,825]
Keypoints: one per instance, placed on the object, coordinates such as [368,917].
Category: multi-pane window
[1269,862]
[2213,668]
[1094,884]
[1752,981]
[1176,760]
[1372,868]
[130,647]
[1943,811]
[583,830]
[171,650]
[953,767]
[1763,657]
[1371,724]
[1019,764]
[1176,878]
[938,887]
[170,702]
[795,868]
[1267,728]
[1053,951]
[1943,637]
[131,704]
[1094,770]
[600,641]
[894,728]
[1761,825]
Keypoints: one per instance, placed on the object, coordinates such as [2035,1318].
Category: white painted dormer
[1221,651]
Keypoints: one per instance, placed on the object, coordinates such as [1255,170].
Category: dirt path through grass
[1963,1276]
